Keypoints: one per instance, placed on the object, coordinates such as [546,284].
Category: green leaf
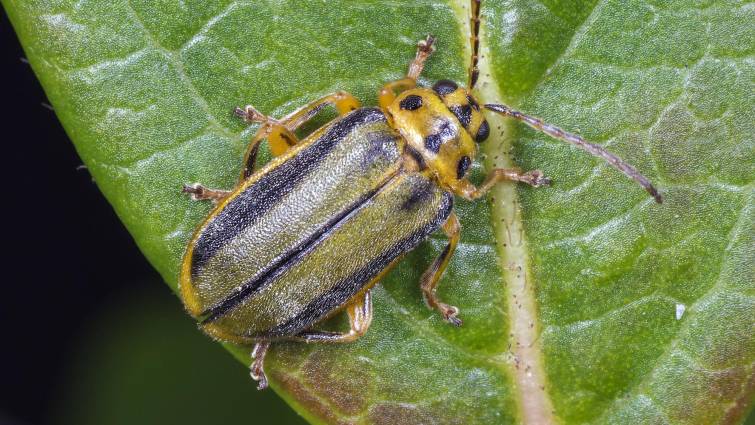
[583,303]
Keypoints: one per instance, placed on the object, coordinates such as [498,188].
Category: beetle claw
[450,314]
[249,114]
[426,45]
[194,190]
[258,374]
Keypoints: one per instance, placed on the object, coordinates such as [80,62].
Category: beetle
[311,232]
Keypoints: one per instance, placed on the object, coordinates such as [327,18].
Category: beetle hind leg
[199,192]
[256,370]
[360,318]
[431,276]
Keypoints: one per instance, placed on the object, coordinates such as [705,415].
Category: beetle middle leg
[360,318]
[388,92]
[280,133]
[431,276]
[534,178]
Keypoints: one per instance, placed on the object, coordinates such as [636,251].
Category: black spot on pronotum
[463,113]
[463,166]
[432,143]
[411,102]
[444,87]
[483,132]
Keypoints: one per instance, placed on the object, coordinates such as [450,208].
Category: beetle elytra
[309,233]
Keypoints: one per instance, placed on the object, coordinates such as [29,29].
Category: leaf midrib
[526,369]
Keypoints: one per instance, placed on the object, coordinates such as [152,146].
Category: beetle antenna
[474,39]
[581,143]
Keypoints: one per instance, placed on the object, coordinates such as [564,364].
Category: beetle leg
[256,370]
[343,101]
[360,317]
[533,178]
[388,92]
[200,193]
[277,135]
[280,133]
[431,276]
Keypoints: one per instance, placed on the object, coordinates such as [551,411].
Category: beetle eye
[483,132]
[473,103]
[444,87]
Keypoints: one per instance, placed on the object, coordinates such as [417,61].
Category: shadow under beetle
[310,233]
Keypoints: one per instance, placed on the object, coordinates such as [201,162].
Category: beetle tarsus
[256,370]
[535,178]
[258,374]
[426,46]
[424,49]
[198,192]
[194,190]
[450,314]
[250,115]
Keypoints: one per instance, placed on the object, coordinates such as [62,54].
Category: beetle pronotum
[313,230]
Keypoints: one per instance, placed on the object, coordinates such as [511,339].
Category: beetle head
[442,125]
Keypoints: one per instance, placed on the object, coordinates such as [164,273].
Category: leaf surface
[582,303]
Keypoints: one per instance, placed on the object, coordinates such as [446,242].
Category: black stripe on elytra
[347,288]
[290,258]
[268,191]
[445,133]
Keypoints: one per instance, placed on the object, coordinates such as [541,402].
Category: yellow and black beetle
[313,230]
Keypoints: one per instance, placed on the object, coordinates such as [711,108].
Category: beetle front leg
[534,178]
[431,276]
[200,193]
[360,318]
[388,92]
[256,370]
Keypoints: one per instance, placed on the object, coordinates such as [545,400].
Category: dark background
[91,334]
